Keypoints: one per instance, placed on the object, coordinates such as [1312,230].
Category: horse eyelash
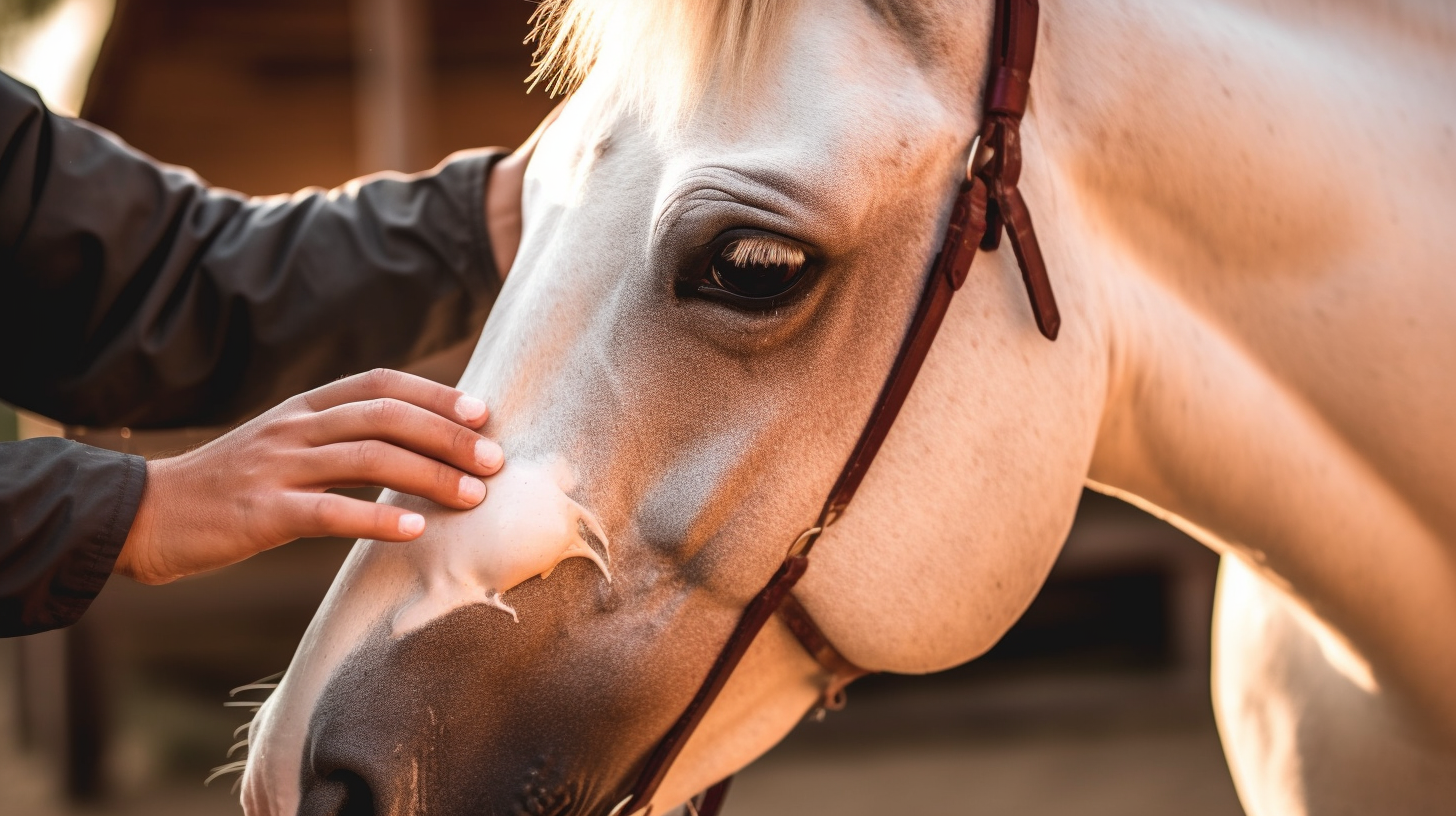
[757,251]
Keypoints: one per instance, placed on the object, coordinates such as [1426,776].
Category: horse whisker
[224,770]
[253,687]
[268,684]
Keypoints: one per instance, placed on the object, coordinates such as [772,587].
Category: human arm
[227,309]
[136,295]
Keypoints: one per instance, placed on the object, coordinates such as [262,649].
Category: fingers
[407,426]
[310,515]
[372,462]
[383,383]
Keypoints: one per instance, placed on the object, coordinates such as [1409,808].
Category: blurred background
[1097,702]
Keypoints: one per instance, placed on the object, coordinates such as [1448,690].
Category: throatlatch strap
[986,202]
[1013,49]
[841,672]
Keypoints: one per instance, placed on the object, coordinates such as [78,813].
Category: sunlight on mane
[659,55]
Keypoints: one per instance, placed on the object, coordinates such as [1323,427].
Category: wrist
[137,559]
[503,209]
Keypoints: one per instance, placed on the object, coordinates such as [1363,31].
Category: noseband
[986,203]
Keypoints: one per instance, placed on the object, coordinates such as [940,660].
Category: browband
[987,202]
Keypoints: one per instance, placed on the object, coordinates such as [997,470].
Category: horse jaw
[524,528]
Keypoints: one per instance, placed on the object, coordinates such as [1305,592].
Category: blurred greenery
[16,18]
[7,423]
[19,11]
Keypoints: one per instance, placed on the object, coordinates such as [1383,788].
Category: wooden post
[392,106]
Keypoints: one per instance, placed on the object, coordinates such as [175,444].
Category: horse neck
[1260,237]
[1262,206]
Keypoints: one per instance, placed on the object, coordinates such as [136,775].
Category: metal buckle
[981,155]
[971,164]
[803,541]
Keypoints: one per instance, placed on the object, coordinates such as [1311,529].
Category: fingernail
[411,524]
[488,454]
[472,490]
[469,408]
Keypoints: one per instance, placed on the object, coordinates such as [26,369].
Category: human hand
[262,484]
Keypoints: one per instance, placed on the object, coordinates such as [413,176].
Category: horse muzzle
[429,723]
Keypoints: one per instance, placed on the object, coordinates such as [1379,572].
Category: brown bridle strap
[754,616]
[986,201]
[1013,49]
[839,671]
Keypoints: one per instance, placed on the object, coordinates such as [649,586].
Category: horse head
[720,258]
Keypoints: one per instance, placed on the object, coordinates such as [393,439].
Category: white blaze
[525,527]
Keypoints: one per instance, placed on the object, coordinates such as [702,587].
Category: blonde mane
[659,55]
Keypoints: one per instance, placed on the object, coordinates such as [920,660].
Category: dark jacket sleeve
[133,294]
[65,509]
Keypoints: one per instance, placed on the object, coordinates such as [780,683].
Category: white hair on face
[755,251]
[659,55]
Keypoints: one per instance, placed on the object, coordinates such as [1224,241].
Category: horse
[1245,209]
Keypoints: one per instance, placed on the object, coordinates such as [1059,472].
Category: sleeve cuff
[71,509]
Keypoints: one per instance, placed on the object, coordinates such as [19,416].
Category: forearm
[136,295]
[65,509]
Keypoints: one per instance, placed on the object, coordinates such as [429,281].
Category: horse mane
[660,55]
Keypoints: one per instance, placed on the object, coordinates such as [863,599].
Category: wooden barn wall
[262,96]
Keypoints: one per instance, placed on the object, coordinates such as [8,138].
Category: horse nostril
[340,793]
[358,799]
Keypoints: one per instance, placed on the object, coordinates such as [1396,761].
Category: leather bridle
[987,202]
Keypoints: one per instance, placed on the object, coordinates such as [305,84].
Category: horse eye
[757,267]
